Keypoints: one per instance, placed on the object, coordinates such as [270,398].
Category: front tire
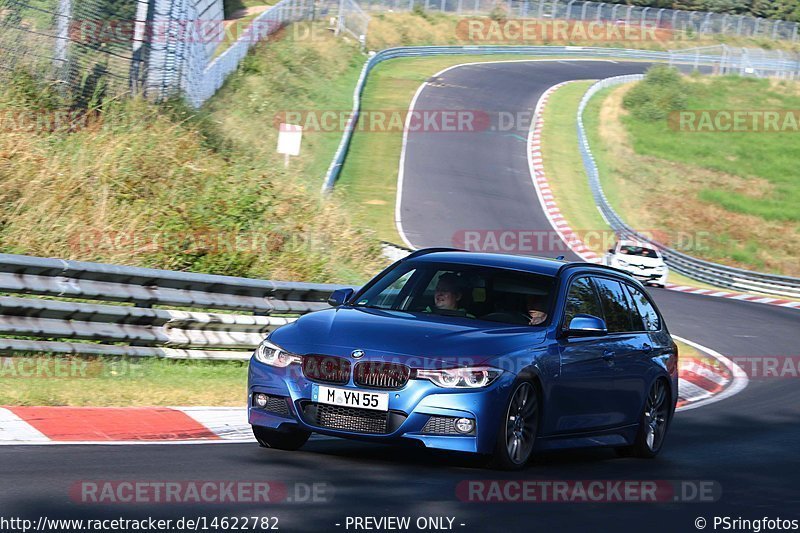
[518,428]
[653,423]
[281,440]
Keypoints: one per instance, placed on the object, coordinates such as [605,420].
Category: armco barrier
[706,271]
[78,308]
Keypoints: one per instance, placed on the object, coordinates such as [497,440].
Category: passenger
[536,309]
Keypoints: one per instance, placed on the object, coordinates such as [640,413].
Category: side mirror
[339,297]
[586,326]
[611,250]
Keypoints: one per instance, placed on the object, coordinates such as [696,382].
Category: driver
[448,294]
[535,306]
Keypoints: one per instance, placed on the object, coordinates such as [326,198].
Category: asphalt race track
[746,446]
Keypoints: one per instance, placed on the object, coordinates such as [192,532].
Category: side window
[582,299]
[646,310]
[615,305]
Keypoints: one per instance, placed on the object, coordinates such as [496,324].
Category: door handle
[608,355]
[646,348]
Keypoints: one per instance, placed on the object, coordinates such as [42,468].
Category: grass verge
[121,382]
[567,176]
[736,192]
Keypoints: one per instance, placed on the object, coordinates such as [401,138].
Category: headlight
[274,355]
[461,378]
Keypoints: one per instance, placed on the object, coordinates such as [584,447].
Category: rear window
[615,305]
[648,315]
[464,291]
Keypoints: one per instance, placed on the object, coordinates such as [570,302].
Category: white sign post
[289,138]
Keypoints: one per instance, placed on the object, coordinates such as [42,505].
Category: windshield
[640,251]
[480,293]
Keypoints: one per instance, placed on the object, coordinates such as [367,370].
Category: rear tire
[281,440]
[519,427]
[653,424]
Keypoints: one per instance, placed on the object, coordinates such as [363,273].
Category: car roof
[537,265]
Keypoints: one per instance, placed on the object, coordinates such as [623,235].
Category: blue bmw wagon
[492,354]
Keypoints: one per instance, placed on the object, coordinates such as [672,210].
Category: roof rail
[425,251]
[574,264]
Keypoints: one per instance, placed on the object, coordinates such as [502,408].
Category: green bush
[663,90]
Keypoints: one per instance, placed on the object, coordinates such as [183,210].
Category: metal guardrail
[86,302]
[698,269]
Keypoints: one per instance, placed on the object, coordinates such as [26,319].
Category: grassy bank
[736,192]
[170,187]
[566,174]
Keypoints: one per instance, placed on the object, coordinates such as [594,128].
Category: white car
[640,260]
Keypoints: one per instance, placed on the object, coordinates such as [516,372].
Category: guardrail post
[569,9]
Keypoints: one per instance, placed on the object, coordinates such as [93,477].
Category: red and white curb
[543,191]
[123,425]
[703,380]
[556,219]
[757,298]
[710,378]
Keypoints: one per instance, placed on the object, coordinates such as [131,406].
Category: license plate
[377,401]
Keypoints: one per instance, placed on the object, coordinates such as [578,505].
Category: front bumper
[420,412]
[647,275]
